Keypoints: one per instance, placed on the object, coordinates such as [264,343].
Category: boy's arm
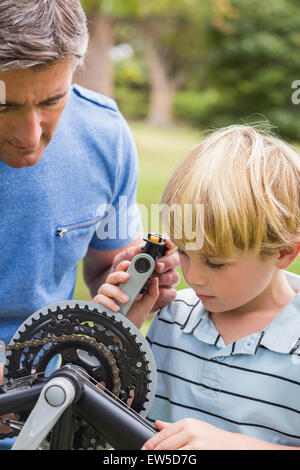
[193,434]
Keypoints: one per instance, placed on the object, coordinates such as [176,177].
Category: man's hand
[168,277]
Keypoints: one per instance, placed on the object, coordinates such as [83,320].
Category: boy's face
[35,99]
[239,282]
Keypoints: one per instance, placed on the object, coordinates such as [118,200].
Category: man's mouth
[22,149]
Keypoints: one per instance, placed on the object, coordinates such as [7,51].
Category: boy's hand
[165,269]
[193,434]
[190,434]
[165,272]
[143,304]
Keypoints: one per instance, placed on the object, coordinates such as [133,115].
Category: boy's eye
[213,265]
[207,262]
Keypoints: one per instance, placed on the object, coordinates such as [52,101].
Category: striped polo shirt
[251,386]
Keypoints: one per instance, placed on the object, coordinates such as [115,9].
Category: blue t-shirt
[90,164]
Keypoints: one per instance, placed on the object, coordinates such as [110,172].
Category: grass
[160,150]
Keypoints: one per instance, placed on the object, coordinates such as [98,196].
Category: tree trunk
[97,74]
[162,86]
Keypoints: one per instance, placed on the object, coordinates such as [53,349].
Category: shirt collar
[281,335]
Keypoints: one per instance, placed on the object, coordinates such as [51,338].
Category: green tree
[103,15]
[174,39]
[173,35]
[254,63]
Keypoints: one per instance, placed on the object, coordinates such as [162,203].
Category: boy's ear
[287,255]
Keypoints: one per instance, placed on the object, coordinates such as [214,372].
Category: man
[67,158]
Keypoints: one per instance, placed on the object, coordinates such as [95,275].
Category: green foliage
[131,88]
[233,60]
[180,34]
[174,26]
[134,8]
[130,73]
[195,107]
[255,65]
[133,104]
[113,8]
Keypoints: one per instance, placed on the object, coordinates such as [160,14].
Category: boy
[227,348]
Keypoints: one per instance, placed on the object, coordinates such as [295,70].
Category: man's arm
[97,265]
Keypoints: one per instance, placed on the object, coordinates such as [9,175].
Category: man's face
[35,100]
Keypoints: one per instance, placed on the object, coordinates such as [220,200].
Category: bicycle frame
[123,428]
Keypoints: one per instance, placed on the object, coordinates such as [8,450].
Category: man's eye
[52,104]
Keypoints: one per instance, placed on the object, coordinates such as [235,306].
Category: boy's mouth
[205,297]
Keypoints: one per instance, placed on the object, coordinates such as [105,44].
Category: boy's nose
[195,277]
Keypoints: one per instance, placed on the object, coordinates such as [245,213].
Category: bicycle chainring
[108,346]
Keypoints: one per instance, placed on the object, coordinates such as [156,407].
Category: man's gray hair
[41,32]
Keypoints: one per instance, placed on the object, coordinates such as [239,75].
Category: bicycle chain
[80,322]
[74,337]
[62,339]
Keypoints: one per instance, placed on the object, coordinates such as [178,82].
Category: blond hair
[41,32]
[247,182]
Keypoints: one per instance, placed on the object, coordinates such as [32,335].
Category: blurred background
[177,68]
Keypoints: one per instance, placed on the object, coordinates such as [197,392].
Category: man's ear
[287,255]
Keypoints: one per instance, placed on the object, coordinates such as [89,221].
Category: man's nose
[28,131]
